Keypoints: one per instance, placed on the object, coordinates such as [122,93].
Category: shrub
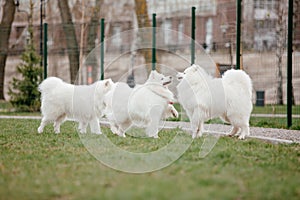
[24,94]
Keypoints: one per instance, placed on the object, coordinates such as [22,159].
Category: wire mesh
[264,36]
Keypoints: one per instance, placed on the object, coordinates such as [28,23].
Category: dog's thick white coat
[147,106]
[143,106]
[84,103]
[204,97]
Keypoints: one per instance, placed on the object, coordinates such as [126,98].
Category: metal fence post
[290,64]
[45,53]
[238,33]
[153,41]
[41,30]
[193,36]
[102,50]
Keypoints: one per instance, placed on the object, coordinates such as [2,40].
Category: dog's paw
[57,131]
[194,135]
[40,130]
[98,133]
[114,130]
[120,133]
[242,137]
[123,135]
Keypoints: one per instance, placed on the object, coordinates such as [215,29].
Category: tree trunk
[70,36]
[8,13]
[92,35]
[280,34]
[141,11]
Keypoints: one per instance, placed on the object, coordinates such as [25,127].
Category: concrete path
[268,134]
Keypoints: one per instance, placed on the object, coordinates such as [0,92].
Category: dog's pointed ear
[194,67]
[108,83]
[152,74]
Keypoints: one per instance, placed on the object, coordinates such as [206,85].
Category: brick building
[215,22]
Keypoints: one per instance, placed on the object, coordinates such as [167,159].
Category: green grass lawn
[274,122]
[275,109]
[51,166]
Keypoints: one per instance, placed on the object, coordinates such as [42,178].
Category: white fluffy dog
[143,106]
[83,103]
[204,97]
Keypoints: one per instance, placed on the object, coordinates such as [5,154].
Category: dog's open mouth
[167,83]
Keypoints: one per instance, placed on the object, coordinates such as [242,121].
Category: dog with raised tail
[204,97]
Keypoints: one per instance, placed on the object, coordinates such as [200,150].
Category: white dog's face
[190,70]
[159,78]
[180,76]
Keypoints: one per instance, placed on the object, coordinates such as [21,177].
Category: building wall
[257,33]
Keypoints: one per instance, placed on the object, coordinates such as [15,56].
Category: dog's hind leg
[234,131]
[200,129]
[44,122]
[113,127]
[59,120]
[121,132]
[197,124]
[197,130]
[152,131]
[225,119]
[244,132]
[123,127]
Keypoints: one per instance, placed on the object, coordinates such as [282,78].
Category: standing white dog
[148,104]
[83,103]
[204,97]
[126,106]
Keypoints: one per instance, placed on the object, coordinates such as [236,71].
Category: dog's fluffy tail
[238,78]
[49,84]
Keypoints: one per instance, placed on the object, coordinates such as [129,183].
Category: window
[167,26]
[266,4]
[209,31]
[117,40]
[180,32]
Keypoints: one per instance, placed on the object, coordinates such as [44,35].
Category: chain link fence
[264,36]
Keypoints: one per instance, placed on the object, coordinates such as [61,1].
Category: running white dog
[83,103]
[143,106]
[204,97]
